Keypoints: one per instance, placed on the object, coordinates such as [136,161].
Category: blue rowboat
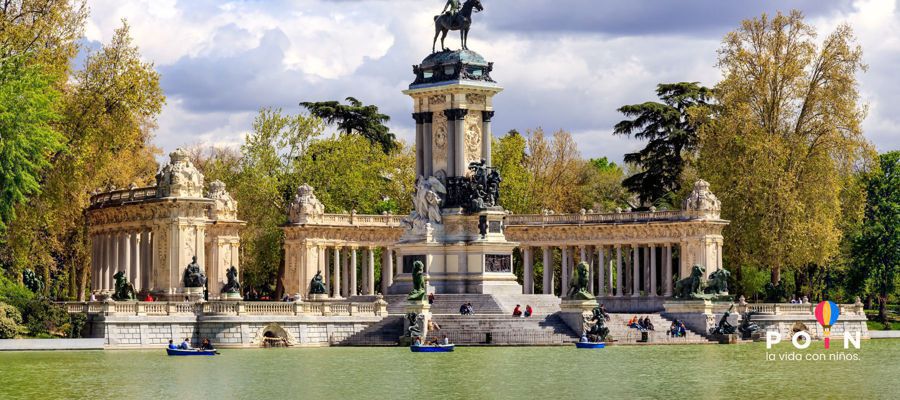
[444,348]
[192,352]
[590,345]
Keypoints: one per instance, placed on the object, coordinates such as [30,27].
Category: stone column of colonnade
[351,270]
[126,250]
[620,269]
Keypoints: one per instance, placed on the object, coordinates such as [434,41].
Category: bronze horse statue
[461,22]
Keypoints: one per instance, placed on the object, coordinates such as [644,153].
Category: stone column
[451,141]
[135,253]
[460,142]
[420,144]
[345,283]
[370,278]
[146,248]
[619,277]
[486,136]
[125,255]
[109,259]
[528,278]
[353,289]
[565,271]
[601,269]
[646,269]
[653,270]
[548,269]
[387,270]
[719,255]
[428,158]
[336,273]
[668,271]
[636,272]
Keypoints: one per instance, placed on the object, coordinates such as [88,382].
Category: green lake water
[623,372]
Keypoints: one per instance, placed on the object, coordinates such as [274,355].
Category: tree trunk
[882,311]
[776,275]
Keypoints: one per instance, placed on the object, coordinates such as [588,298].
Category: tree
[107,112]
[604,185]
[355,118]
[27,139]
[876,251]
[671,133]
[558,172]
[511,161]
[784,142]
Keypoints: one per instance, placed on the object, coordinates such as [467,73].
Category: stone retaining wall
[225,331]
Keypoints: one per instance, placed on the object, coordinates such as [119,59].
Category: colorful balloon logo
[827,314]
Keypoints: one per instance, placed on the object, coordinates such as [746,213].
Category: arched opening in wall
[798,327]
[274,335]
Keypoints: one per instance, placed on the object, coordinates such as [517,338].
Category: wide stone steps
[503,330]
[383,333]
[449,304]
[620,332]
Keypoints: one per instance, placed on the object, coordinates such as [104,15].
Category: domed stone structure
[456,65]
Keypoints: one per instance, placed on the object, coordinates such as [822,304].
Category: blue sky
[565,64]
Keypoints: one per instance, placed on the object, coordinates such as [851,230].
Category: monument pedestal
[231,296]
[317,297]
[573,313]
[417,308]
[458,259]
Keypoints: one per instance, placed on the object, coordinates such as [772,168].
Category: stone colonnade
[127,250]
[347,268]
[615,270]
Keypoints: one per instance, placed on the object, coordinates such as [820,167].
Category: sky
[564,64]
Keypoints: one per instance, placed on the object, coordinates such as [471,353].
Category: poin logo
[827,314]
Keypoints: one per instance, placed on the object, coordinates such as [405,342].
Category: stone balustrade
[353,219]
[793,309]
[218,308]
[596,218]
[118,197]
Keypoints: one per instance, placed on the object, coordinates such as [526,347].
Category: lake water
[674,371]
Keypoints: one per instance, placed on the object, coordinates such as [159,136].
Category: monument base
[231,296]
[731,338]
[418,308]
[465,254]
[573,313]
[317,297]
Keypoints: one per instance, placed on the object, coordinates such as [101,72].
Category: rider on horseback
[453,5]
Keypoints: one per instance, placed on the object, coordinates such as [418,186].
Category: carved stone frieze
[473,138]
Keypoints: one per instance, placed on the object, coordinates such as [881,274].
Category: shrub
[44,317]
[76,322]
[8,311]
[14,294]
[8,328]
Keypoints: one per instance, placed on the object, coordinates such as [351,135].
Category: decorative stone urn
[703,200]
[225,207]
[305,206]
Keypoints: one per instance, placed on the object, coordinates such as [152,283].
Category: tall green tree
[876,251]
[671,135]
[604,185]
[511,161]
[27,137]
[107,111]
[783,146]
[355,118]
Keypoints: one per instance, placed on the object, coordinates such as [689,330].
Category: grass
[892,316]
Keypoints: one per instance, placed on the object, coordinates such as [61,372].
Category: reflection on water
[684,371]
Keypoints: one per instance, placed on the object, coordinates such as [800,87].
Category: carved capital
[455,114]
[487,115]
[419,117]
[427,115]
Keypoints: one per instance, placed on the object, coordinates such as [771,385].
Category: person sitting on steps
[528,310]
[518,311]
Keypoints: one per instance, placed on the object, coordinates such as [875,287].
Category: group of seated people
[677,329]
[186,345]
[517,312]
[641,324]
[466,309]
[434,342]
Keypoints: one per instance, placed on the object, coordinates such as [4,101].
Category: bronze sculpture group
[578,288]
[692,287]
[317,285]
[124,290]
[476,192]
[418,291]
[596,330]
[193,275]
[455,18]
[231,285]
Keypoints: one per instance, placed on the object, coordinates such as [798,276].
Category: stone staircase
[449,304]
[542,304]
[383,333]
[622,334]
[485,329]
